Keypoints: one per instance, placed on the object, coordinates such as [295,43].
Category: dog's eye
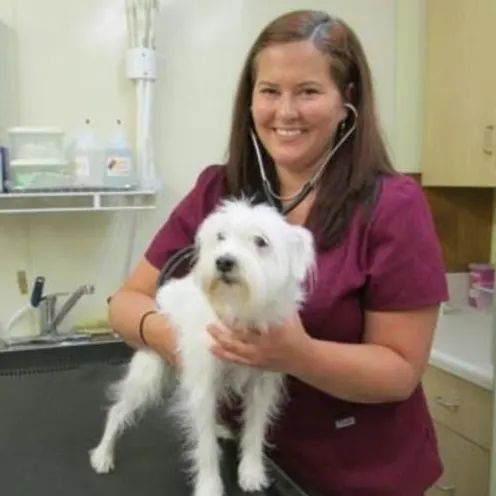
[220,237]
[261,242]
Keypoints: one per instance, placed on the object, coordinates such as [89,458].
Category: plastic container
[87,159]
[119,161]
[481,285]
[36,143]
[25,175]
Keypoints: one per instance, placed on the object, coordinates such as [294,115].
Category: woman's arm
[387,366]
[405,281]
[131,302]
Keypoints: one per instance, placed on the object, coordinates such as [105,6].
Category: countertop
[463,345]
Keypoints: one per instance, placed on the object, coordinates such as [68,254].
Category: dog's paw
[252,476]
[223,432]
[209,487]
[101,461]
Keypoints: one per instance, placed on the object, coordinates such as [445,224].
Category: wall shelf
[76,201]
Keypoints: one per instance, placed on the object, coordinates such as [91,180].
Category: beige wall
[70,67]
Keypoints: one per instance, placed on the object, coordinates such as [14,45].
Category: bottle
[87,166]
[119,164]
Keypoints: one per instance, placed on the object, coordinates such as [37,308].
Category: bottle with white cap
[119,163]
[87,162]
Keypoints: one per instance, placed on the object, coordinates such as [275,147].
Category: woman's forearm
[125,312]
[361,373]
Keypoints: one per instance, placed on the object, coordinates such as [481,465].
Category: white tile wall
[70,67]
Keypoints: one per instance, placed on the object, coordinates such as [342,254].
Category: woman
[356,422]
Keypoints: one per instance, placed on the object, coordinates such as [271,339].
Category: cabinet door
[460,94]
[460,405]
[466,466]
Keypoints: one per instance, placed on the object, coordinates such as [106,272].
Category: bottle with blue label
[119,163]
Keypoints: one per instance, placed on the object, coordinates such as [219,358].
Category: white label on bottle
[118,166]
[82,166]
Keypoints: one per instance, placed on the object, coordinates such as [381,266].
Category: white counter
[463,346]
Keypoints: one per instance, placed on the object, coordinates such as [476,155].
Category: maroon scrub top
[391,262]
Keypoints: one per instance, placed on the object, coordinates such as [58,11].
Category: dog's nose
[225,264]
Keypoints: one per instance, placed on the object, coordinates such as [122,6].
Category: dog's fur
[250,272]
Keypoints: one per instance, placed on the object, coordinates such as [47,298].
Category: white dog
[250,271]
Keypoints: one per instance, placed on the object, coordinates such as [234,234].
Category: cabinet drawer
[460,405]
[466,466]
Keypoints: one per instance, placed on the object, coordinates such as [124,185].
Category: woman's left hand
[276,349]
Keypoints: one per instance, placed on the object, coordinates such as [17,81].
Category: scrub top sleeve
[179,229]
[403,259]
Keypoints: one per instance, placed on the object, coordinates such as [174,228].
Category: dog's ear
[303,252]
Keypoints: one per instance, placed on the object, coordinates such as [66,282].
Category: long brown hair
[353,177]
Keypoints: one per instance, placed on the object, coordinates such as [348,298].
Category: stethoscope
[187,253]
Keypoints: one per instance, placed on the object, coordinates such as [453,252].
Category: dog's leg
[260,403]
[141,387]
[199,397]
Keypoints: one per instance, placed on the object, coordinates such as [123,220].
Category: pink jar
[481,284]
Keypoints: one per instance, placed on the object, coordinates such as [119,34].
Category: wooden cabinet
[459,135]
[466,466]
[460,405]
[462,414]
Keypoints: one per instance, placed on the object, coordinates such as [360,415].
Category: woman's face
[296,106]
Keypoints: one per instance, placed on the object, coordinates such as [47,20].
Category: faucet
[49,319]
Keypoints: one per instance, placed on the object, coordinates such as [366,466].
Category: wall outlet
[22,282]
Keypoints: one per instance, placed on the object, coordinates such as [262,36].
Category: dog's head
[250,260]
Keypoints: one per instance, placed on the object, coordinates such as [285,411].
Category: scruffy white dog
[250,271]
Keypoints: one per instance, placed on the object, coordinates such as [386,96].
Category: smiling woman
[295,118]
[307,73]
[356,422]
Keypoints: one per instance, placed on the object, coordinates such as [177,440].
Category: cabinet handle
[450,405]
[488,139]
[445,488]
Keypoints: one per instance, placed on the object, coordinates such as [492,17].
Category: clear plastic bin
[36,143]
[25,175]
